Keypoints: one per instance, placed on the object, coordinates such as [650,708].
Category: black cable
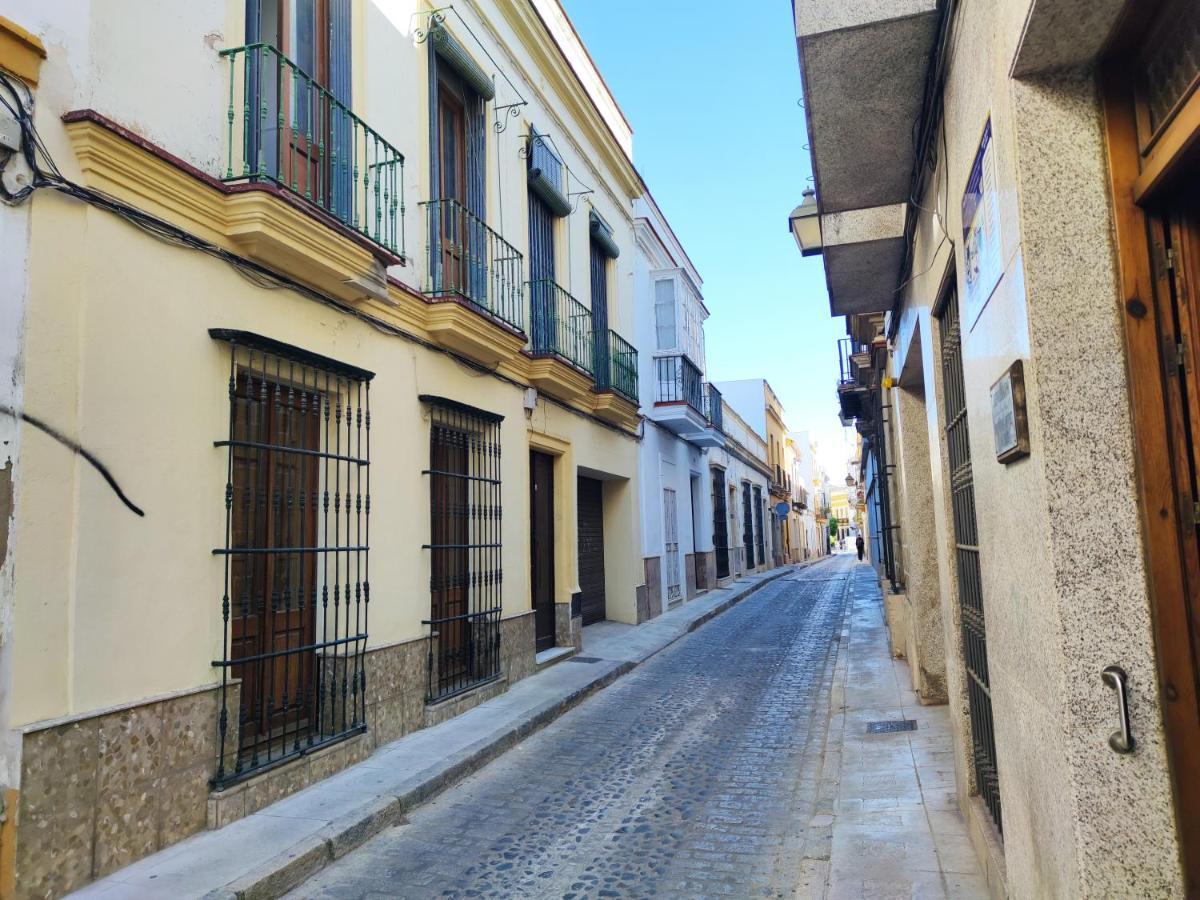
[34,150]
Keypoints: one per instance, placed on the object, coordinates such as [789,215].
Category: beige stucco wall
[1063,569]
[114,608]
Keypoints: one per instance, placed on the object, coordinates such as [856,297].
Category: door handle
[1121,740]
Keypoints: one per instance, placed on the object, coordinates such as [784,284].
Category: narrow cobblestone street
[691,777]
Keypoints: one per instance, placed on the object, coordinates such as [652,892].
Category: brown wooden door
[1175,236]
[1152,127]
[297,132]
[541,543]
[591,549]
[450,529]
[273,602]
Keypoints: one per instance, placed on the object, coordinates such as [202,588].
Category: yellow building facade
[329,423]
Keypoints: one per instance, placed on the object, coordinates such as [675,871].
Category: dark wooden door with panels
[1150,90]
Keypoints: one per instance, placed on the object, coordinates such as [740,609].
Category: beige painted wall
[114,608]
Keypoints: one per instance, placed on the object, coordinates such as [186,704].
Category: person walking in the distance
[861,545]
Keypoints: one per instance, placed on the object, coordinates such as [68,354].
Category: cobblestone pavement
[692,776]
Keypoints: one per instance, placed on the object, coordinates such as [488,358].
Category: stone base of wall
[518,645]
[895,614]
[689,572]
[99,793]
[249,796]
[563,634]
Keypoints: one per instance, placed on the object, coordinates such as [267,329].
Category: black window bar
[720,523]
[297,532]
[968,570]
[758,521]
[465,544]
[747,526]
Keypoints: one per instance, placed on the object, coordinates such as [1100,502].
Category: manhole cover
[891,725]
[584,659]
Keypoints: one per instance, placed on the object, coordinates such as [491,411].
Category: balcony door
[541,274]
[452,171]
[303,140]
[458,242]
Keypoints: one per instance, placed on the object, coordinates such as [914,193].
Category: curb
[289,869]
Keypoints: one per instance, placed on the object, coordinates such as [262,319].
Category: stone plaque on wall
[1010,422]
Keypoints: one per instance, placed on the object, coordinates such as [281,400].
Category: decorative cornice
[20,51]
[549,61]
[263,224]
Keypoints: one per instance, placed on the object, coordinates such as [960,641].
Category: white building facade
[676,501]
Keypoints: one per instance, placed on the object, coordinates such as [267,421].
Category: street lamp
[805,224]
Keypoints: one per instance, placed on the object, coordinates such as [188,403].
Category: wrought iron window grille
[465,548]
[297,535]
[967,562]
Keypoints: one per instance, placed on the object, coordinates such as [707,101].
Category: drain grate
[584,659]
[891,725]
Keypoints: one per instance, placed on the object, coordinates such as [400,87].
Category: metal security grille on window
[465,544]
[970,579]
[297,532]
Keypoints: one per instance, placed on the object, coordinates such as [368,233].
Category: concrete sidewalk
[887,822]
[271,851]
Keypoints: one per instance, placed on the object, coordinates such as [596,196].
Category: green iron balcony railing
[714,409]
[621,372]
[470,261]
[559,325]
[678,381]
[287,129]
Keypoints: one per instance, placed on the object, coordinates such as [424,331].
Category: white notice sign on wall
[981,231]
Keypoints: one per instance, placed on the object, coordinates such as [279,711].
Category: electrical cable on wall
[36,155]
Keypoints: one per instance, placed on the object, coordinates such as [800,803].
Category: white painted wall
[14,276]
[748,397]
[665,460]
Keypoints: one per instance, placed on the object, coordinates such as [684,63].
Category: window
[664,313]
[464,545]
[678,315]
[758,522]
[671,545]
[301,79]
[747,525]
[720,523]
[297,502]
[457,214]
[600,342]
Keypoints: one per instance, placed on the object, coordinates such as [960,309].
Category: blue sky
[711,89]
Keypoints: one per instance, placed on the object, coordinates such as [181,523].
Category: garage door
[591,549]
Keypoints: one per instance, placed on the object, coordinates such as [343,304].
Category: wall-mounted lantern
[805,225]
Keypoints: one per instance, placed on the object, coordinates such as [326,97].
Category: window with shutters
[290,121]
[297,538]
[679,315]
[464,546]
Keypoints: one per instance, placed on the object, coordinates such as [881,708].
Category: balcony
[863,68]
[680,401]
[781,484]
[560,342]
[714,410]
[852,393]
[617,370]
[286,130]
[473,275]
[471,263]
